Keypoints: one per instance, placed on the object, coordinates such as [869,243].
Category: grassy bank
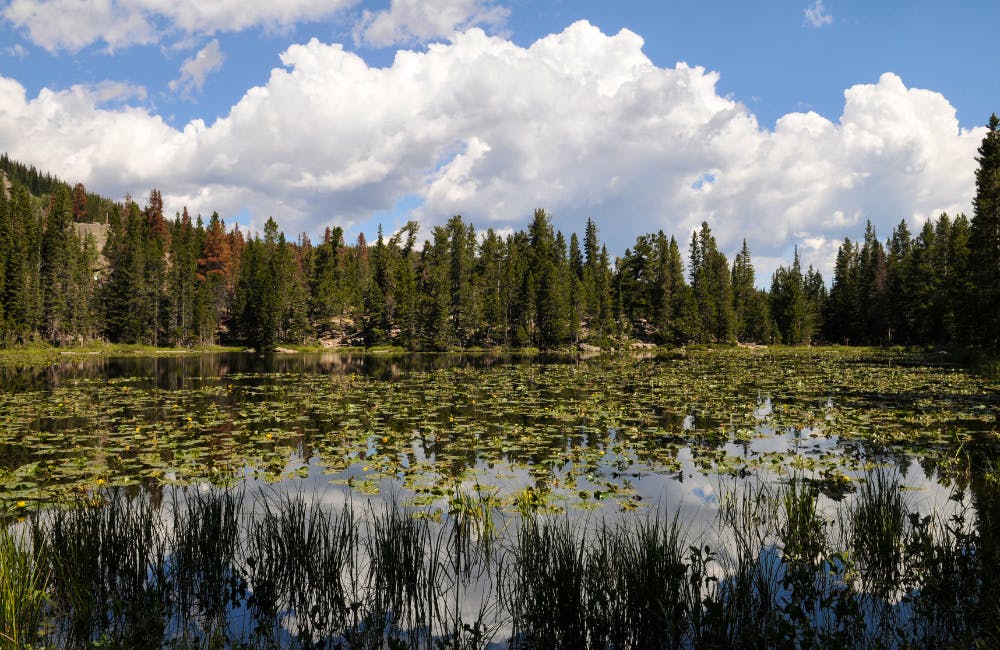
[45,355]
[231,569]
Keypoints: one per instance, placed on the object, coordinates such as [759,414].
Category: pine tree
[744,294]
[597,311]
[984,240]
[265,289]
[436,324]
[124,291]
[899,290]
[182,281]
[156,240]
[788,304]
[56,259]
[873,296]
[575,282]
[711,285]
[843,322]
[548,270]
[79,203]
[212,276]
[404,272]
[490,274]
[463,310]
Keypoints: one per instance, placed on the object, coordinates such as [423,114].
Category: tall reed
[219,569]
[22,592]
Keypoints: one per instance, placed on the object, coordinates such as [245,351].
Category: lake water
[613,434]
[613,438]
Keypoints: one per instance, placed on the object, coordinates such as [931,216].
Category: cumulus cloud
[75,24]
[195,69]
[580,123]
[419,21]
[817,15]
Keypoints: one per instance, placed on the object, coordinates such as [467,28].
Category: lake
[610,440]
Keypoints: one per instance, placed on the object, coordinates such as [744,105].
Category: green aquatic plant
[220,567]
[22,592]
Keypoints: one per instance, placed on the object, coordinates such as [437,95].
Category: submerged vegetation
[236,569]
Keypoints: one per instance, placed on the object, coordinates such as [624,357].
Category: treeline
[180,281]
[87,206]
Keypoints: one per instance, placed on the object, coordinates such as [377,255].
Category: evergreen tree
[182,283]
[751,314]
[404,272]
[56,259]
[212,277]
[638,289]
[575,282]
[796,302]
[436,324]
[744,293]
[490,277]
[711,285]
[874,288]
[597,308]
[959,282]
[843,322]
[899,292]
[79,203]
[156,244]
[548,271]
[984,240]
[463,307]
[327,300]
[262,293]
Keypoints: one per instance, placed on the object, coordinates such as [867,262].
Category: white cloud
[17,51]
[817,15]
[75,24]
[195,69]
[580,123]
[420,21]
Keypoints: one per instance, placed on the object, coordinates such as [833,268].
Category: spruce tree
[490,274]
[984,240]
[56,259]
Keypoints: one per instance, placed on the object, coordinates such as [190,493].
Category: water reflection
[602,434]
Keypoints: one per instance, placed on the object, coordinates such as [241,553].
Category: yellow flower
[22,504]
[100,481]
[269,436]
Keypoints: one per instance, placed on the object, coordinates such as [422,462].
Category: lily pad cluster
[538,434]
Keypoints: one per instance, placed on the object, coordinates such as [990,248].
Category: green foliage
[221,568]
[984,240]
[22,592]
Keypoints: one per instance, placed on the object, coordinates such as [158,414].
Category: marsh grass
[22,595]
[223,568]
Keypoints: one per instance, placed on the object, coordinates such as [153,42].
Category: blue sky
[641,115]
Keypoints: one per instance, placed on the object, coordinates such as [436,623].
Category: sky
[789,123]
